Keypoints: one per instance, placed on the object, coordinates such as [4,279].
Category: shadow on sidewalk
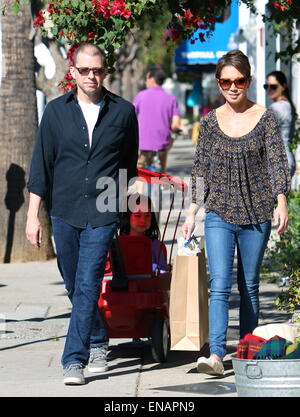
[211,388]
[33,342]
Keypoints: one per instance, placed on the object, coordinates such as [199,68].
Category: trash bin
[267,378]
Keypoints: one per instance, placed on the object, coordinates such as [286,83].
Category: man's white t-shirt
[91,113]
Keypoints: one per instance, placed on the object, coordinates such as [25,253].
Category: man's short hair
[158,75]
[90,49]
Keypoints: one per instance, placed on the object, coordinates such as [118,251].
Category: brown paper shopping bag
[189,303]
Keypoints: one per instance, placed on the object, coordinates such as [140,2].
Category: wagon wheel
[160,339]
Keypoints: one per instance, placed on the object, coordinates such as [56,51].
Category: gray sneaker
[97,360]
[73,375]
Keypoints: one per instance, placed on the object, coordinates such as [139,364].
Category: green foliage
[283,20]
[296,138]
[284,256]
[289,300]
[165,23]
[78,21]
[283,16]
[106,23]
[153,48]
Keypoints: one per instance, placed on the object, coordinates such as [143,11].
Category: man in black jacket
[85,138]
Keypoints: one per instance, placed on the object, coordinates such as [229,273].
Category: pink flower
[71,52]
[108,8]
[70,85]
[283,7]
[68,76]
[38,21]
[106,14]
[211,19]
[100,5]
[117,7]
[201,37]
[120,4]
[188,15]
[172,33]
[127,13]
[190,19]
[114,11]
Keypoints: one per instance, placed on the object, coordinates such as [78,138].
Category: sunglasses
[86,71]
[225,84]
[271,86]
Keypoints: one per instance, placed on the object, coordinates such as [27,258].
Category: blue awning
[210,51]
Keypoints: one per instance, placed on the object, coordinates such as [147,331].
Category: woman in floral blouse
[241,163]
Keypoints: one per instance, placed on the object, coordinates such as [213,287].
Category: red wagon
[134,300]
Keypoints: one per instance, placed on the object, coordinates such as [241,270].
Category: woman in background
[284,109]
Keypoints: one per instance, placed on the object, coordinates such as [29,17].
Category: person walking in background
[240,157]
[85,135]
[284,109]
[158,114]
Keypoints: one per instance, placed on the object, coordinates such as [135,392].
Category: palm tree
[18,118]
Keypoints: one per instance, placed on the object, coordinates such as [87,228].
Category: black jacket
[80,182]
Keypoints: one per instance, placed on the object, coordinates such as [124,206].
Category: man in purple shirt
[158,114]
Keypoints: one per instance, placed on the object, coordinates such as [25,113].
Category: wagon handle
[176,184]
[167,221]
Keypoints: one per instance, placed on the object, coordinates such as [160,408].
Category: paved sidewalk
[34,315]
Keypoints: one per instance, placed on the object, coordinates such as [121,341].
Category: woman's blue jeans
[221,240]
[81,258]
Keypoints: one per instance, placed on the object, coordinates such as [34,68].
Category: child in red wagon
[139,220]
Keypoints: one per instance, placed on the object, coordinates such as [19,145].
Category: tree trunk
[50,86]
[18,115]
[128,79]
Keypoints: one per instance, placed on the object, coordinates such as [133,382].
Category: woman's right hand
[188,226]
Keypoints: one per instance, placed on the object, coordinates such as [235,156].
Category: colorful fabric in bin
[255,347]
[249,346]
[274,348]
[292,352]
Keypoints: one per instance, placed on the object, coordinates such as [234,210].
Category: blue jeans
[221,240]
[81,258]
